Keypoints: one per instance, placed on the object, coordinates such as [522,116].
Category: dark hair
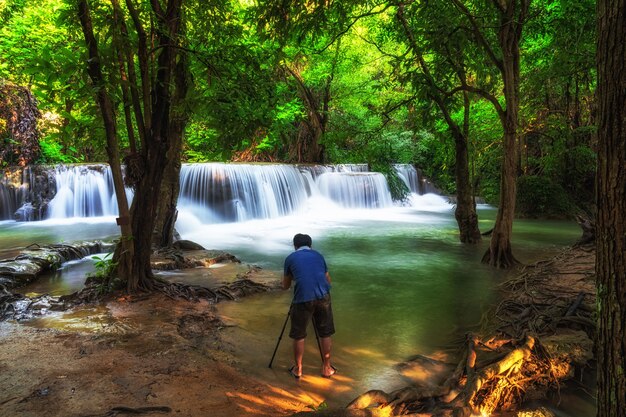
[300,240]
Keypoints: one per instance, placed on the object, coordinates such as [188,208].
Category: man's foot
[328,372]
[295,372]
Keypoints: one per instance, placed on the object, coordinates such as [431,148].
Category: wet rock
[187,245]
[31,262]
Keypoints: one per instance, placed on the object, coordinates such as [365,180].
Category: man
[311,298]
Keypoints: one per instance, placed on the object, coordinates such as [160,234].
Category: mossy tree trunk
[156,95]
[513,15]
[465,212]
[611,208]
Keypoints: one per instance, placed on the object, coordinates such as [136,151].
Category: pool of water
[402,283]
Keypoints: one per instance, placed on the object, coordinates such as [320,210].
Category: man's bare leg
[298,353]
[327,368]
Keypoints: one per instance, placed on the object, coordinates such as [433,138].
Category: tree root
[550,301]
[242,287]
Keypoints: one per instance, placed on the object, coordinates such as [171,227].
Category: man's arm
[327,277]
[287,278]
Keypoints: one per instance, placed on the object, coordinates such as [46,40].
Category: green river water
[402,285]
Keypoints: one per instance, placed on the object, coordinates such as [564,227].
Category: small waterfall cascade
[14,189]
[24,193]
[212,192]
[414,180]
[218,192]
[228,192]
[356,190]
[83,191]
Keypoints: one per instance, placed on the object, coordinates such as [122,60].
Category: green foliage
[103,279]
[381,108]
[201,143]
[434,155]
[104,265]
[540,197]
[39,47]
[321,406]
[53,153]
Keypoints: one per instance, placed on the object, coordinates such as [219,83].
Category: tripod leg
[280,337]
[317,337]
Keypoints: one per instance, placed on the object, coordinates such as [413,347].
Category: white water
[242,206]
[225,193]
[83,191]
[316,217]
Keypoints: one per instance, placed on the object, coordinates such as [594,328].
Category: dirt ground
[130,354]
[154,352]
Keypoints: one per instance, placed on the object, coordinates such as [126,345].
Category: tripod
[317,337]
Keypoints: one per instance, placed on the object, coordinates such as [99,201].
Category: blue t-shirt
[307,268]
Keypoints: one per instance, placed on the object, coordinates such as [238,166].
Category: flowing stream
[402,283]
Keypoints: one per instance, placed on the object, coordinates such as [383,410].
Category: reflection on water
[17,235]
[402,284]
[70,277]
[92,319]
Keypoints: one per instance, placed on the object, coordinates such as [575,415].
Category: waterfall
[356,190]
[83,191]
[414,180]
[212,192]
[225,192]
[218,192]
[8,203]
[15,189]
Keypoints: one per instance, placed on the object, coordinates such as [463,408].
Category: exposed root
[239,288]
[540,332]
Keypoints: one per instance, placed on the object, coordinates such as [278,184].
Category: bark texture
[513,15]
[611,213]
[156,95]
[465,212]
[125,250]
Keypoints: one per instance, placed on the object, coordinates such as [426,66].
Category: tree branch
[482,41]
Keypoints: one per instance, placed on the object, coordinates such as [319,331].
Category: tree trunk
[465,212]
[163,234]
[500,253]
[159,141]
[307,147]
[124,254]
[162,135]
[611,212]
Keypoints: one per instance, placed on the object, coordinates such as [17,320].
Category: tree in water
[153,99]
[611,208]
[443,39]
[505,57]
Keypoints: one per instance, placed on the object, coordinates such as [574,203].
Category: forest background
[489,98]
[345,81]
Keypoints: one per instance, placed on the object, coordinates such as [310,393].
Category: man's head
[300,240]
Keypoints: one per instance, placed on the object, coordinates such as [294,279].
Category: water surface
[402,283]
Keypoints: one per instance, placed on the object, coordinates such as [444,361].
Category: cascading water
[414,180]
[8,199]
[219,192]
[225,192]
[212,192]
[16,195]
[356,190]
[83,191]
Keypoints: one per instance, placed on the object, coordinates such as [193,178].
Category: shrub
[539,196]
